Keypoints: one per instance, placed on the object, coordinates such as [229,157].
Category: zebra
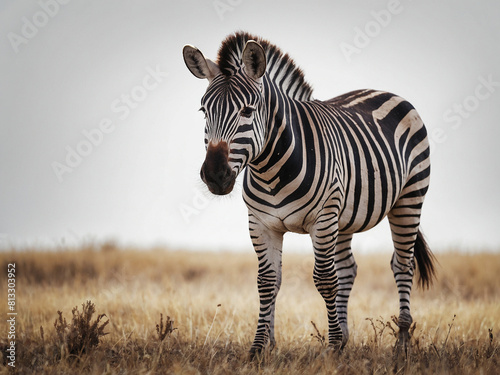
[327,168]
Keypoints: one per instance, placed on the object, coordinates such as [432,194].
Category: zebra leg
[404,223]
[324,237]
[267,245]
[346,268]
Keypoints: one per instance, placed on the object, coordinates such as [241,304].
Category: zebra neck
[284,153]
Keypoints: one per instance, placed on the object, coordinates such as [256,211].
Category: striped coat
[327,168]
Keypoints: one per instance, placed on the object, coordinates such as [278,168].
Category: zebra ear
[198,65]
[254,59]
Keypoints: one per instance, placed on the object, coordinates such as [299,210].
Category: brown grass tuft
[317,335]
[81,335]
[164,331]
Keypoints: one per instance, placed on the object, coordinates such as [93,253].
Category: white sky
[67,69]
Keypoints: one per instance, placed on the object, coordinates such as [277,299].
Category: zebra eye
[247,111]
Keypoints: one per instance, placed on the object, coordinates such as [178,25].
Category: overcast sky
[100,137]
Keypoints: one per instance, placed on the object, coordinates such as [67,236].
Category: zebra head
[234,111]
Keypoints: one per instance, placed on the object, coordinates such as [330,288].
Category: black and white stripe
[328,168]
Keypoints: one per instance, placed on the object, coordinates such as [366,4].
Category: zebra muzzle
[216,172]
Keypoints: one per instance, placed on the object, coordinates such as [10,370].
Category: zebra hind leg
[423,260]
[409,246]
[405,319]
[346,271]
[404,223]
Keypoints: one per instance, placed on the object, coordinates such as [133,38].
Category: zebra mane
[280,66]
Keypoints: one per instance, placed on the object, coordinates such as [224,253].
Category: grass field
[213,302]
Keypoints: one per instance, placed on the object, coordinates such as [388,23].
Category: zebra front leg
[346,268]
[324,239]
[268,245]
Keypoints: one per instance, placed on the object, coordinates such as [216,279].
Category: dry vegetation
[195,313]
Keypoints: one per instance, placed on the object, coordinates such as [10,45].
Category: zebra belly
[360,223]
[364,210]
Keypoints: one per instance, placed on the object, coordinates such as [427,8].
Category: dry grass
[195,313]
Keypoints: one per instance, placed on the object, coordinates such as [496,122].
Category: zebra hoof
[332,350]
[255,354]
[403,340]
[404,322]
[336,346]
[345,334]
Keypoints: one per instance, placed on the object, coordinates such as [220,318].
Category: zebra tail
[425,262]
